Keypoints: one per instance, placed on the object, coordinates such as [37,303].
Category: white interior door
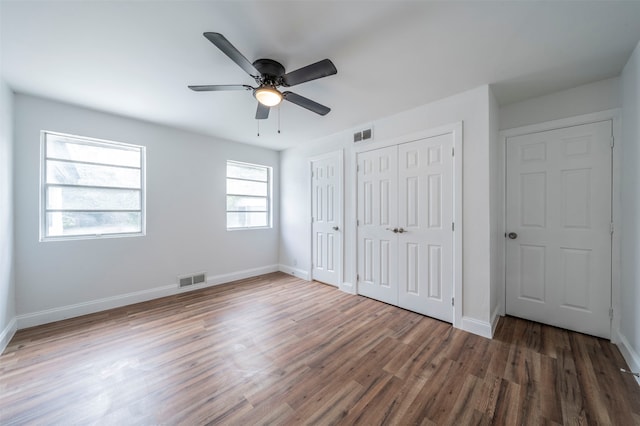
[326,207]
[405,216]
[559,225]
[377,217]
[425,214]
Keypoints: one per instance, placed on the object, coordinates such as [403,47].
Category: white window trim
[269,196]
[43,190]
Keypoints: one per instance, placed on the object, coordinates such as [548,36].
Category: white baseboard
[294,271]
[240,275]
[629,354]
[93,306]
[78,309]
[475,326]
[7,334]
[348,288]
[495,317]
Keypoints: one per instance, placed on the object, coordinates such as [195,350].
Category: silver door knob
[335,228]
[394,230]
[401,231]
[512,235]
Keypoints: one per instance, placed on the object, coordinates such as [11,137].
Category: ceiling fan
[270,75]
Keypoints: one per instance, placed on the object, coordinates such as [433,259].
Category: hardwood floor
[278,350]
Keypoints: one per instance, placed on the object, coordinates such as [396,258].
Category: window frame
[89,141]
[268,197]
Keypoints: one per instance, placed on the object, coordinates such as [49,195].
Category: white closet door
[326,215]
[558,221]
[425,216]
[377,216]
[405,216]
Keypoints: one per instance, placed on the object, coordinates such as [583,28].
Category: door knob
[512,235]
[394,230]
[335,228]
[401,231]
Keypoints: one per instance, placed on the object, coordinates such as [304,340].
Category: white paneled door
[326,206]
[425,215]
[405,216]
[559,227]
[377,220]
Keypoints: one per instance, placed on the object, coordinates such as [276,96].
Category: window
[248,196]
[90,188]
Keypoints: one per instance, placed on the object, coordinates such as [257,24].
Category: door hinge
[453,152]
[357,167]
[358,222]
[452,302]
[357,277]
[611,228]
[613,142]
[611,313]
[453,226]
[312,220]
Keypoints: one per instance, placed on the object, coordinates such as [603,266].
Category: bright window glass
[248,196]
[91,188]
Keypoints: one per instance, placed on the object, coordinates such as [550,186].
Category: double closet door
[405,218]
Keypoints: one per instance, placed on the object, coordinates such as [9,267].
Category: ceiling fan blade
[228,49]
[320,69]
[220,87]
[306,103]
[262,113]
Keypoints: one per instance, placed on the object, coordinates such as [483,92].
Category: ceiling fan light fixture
[268,96]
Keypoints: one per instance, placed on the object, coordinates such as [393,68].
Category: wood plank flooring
[278,350]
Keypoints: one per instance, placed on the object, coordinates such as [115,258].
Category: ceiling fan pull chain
[258,122]
[278,119]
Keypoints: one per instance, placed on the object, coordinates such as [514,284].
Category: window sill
[90,237]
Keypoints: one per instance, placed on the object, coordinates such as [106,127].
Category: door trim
[339,154]
[456,129]
[614,115]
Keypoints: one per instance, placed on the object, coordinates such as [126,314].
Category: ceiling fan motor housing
[271,71]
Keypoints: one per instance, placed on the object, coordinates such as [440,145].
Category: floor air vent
[187,280]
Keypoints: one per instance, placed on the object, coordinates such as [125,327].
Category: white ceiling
[135,58]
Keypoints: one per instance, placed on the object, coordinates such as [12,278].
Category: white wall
[593,97]
[471,107]
[630,274]
[186,224]
[7,283]
[496,166]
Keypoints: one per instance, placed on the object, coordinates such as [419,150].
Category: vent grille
[363,135]
[187,280]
